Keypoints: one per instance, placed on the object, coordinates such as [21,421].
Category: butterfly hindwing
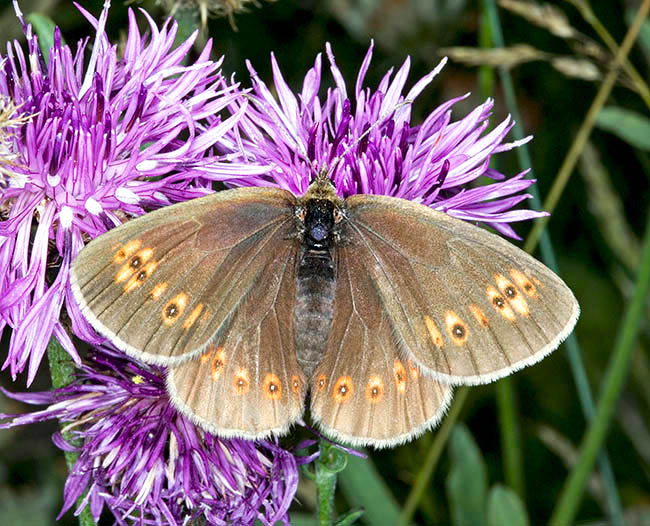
[162,285]
[364,391]
[466,305]
[248,383]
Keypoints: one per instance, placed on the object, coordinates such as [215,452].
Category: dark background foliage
[598,265]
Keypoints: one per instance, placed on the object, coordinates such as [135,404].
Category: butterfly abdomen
[315,287]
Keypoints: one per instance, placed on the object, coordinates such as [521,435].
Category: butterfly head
[319,223]
[318,214]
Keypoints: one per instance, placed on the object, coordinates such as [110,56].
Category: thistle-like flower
[109,136]
[146,463]
[365,138]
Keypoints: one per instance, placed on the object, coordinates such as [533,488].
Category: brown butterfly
[372,306]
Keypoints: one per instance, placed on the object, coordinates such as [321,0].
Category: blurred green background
[596,232]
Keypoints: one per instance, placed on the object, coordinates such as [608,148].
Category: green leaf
[505,507]
[44,29]
[364,488]
[467,480]
[632,127]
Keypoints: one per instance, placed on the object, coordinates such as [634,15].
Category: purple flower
[366,140]
[143,460]
[109,136]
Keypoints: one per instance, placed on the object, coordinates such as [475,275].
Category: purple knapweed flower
[109,136]
[366,140]
[147,463]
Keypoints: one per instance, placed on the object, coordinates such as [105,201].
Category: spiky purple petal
[109,136]
[140,459]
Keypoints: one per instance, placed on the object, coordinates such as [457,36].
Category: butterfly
[368,309]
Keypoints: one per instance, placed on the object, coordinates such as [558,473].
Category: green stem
[62,372]
[424,475]
[510,436]
[574,354]
[617,370]
[331,461]
[486,77]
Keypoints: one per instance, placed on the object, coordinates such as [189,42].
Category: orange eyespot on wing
[343,389]
[272,388]
[296,385]
[218,363]
[174,308]
[399,374]
[241,381]
[139,277]
[499,303]
[126,251]
[374,389]
[456,328]
[524,283]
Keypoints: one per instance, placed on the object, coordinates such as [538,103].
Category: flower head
[142,459]
[109,136]
[366,140]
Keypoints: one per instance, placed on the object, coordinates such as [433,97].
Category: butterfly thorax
[319,230]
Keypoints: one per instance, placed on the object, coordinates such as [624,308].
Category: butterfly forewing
[161,286]
[364,392]
[465,305]
[248,383]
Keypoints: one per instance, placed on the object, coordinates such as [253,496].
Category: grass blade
[571,495]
